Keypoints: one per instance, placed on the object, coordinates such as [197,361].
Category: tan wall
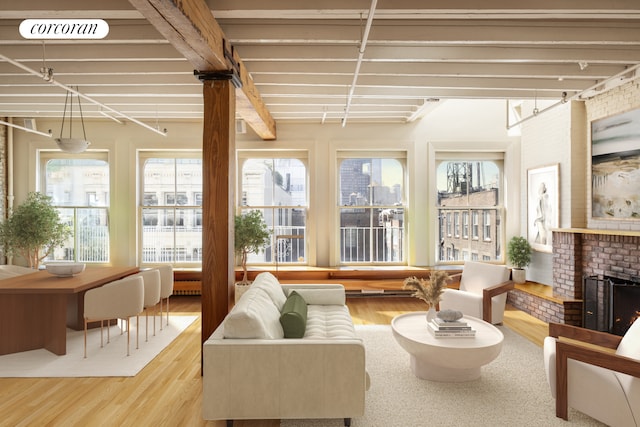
[456,125]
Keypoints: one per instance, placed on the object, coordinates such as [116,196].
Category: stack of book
[451,329]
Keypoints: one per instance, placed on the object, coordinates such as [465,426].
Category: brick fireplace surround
[580,253]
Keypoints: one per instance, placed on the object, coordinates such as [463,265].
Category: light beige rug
[108,361]
[512,390]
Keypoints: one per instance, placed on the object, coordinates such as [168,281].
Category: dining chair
[151,281]
[120,299]
[166,288]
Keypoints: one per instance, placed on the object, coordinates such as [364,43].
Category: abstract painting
[615,166]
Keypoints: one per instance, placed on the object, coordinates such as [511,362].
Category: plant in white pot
[251,236]
[519,254]
[33,230]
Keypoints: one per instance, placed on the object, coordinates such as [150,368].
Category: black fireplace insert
[610,304]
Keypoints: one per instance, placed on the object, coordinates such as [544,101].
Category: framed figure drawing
[542,206]
[615,166]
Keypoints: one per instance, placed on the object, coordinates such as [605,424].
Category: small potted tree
[251,235]
[519,254]
[33,230]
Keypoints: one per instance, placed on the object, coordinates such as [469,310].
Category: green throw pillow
[293,316]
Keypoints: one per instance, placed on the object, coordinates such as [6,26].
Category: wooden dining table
[36,308]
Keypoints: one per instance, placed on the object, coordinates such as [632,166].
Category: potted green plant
[251,234]
[33,230]
[519,255]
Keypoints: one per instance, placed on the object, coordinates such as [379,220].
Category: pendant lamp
[70,144]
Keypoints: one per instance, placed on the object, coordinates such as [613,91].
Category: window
[79,187]
[278,188]
[465,224]
[486,223]
[456,223]
[171,209]
[476,228]
[371,209]
[471,189]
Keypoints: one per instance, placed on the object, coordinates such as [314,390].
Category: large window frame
[379,238]
[83,203]
[480,205]
[287,222]
[169,215]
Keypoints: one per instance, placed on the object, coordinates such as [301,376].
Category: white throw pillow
[269,283]
[255,316]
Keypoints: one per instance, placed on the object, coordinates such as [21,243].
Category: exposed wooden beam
[191,28]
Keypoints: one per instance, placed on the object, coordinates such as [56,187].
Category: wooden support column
[218,175]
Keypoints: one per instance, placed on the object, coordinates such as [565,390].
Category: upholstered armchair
[120,299]
[482,293]
[595,373]
[152,288]
[166,288]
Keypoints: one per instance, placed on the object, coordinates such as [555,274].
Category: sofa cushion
[329,322]
[254,316]
[294,316]
[318,296]
[272,287]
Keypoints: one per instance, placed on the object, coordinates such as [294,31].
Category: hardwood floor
[168,392]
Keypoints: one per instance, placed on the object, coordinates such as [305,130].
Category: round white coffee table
[446,359]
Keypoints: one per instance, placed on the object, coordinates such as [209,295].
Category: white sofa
[251,371]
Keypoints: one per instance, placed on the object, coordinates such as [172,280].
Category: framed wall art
[615,166]
[542,206]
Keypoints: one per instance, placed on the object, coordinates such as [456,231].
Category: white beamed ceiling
[302,56]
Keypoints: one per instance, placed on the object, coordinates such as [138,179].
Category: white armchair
[166,288]
[602,382]
[483,292]
[151,280]
[120,299]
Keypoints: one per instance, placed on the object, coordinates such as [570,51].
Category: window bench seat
[369,281]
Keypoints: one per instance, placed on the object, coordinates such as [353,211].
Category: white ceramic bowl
[65,269]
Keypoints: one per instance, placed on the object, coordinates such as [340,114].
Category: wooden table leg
[54,323]
[32,321]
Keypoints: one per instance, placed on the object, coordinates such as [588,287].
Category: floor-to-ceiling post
[218,175]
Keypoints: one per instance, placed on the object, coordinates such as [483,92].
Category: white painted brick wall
[546,140]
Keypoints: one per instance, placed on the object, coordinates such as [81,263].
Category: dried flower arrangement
[429,291]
